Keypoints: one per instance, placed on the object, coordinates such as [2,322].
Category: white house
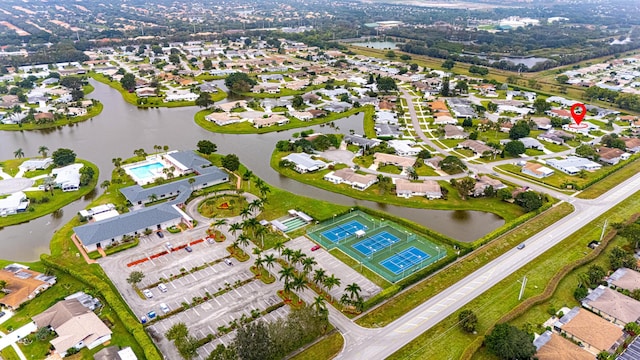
[404,147]
[14,203]
[427,188]
[572,165]
[68,177]
[303,163]
[350,177]
[536,170]
[36,164]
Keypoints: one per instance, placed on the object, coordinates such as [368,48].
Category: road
[380,343]
[373,344]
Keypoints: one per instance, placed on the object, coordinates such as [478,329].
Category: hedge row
[548,291]
[611,171]
[106,290]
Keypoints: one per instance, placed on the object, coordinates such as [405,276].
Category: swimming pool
[146,172]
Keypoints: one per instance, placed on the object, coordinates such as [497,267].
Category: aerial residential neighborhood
[319,180]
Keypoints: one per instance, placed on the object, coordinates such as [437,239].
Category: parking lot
[206,317]
[334,266]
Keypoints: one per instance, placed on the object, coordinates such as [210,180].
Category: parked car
[189,249]
[160,234]
[162,287]
[165,309]
[147,293]
[151,314]
[169,246]
[211,241]
[228,262]
[316,247]
[143,320]
[520,247]
[2,313]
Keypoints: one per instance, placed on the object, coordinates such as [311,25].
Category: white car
[147,293]
[165,309]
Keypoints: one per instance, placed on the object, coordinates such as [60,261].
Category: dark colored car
[189,249]
[160,234]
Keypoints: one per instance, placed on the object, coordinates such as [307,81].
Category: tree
[174,59]
[424,154]
[286,273]
[105,185]
[128,82]
[386,84]
[452,165]
[618,258]
[412,174]
[43,150]
[231,162]
[492,107]
[206,64]
[253,341]
[77,94]
[448,64]
[461,87]
[331,281]
[319,305]
[308,263]
[595,274]
[468,320]
[353,290]
[204,100]
[319,275]
[467,122]
[297,102]
[390,54]
[529,200]
[177,332]
[63,157]
[18,153]
[464,186]
[504,194]
[541,105]
[587,151]
[514,148]
[444,91]
[562,79]
[239,82]
[3,285]
[206,147]
[86,175]
[135,277]
[71,82]
[519,130]
[510,343]
[269,260]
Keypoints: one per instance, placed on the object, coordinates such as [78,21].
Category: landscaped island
[34,187]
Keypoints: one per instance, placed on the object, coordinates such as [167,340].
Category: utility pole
[524,284]
[604,226]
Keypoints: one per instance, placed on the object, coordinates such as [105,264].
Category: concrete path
[12,338]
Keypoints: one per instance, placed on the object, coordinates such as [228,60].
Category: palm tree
[234,228]
[279,246]
[43,150]
[247,177]
[319,305]
[353,290]
[297,257]
[259,262]
[260,230]
[307,264]
[245,213]
[3,284]
[165,148]
[251,223]
[299,283]
[256,204]
[116,162]
[243,240]
[219,222]
[331,282]
[287,253]
[264,190]
[269,259]
[286,273]
[319,276]
[259,183]
[191,181]
[105,185]
[256,251]
[18,153]
[153,197]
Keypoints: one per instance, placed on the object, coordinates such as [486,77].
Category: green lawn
[352,263]
[417,294]
[389,169]
[56,201]
[447,340]
[613,179]
[554,147]
[95,110]
[246,127]
[327,348]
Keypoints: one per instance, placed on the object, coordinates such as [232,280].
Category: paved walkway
[12,338]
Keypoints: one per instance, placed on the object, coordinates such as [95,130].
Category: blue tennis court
[375,243]
[404,260]
[343,231]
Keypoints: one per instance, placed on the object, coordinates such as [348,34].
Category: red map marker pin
[577,117]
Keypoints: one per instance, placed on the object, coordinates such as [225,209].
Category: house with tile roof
[593,332]
[612,305]
[625,278]
[551,346]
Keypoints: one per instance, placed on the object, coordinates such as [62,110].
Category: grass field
[327,348]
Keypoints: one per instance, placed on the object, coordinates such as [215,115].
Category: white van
[162,287]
